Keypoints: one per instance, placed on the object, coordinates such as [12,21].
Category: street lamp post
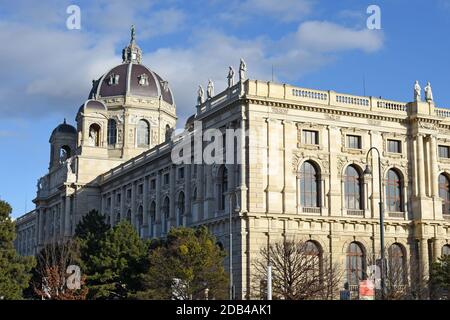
[368,171]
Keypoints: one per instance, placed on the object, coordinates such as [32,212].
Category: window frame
[314,185]
[305,138]
[348,143]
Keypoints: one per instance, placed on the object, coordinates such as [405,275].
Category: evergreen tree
[89,233]
[14,270]
[187,265]
[440,278]
[116,263]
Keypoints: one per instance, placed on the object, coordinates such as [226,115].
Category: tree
[52,280]
[186,265]
[14,270]
[300,271]
[440,278]
[116,265]
[89,233]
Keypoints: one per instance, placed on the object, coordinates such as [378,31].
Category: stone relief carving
[333,116]
[427,125]
[280,110]
[321,159]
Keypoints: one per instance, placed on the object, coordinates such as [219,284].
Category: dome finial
[133,34]
[64,120]
[132,53]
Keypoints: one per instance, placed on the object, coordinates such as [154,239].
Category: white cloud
[50,70]
[325,36]
[285,10]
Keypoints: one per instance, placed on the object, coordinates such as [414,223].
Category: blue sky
[47,69]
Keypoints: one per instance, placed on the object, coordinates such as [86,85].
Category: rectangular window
[354,142]
[444,152]
[394,146]
[153,184]
[181,173]
[128,194]
[140,189]
[310,137]
[166,179]
[119,198]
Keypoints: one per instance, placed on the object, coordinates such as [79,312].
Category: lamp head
[367,171]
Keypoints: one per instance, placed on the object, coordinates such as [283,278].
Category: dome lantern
[132,53]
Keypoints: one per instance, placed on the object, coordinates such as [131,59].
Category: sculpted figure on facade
[428,92]
[417,92]
[200,95]
[242,70]
[210,90]
[230,77]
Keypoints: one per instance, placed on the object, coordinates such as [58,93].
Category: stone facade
[124,180]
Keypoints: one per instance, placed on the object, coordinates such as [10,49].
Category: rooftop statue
[417,92]
[230,77]
[242,70]
[428,92]
[210,90]
[200,95]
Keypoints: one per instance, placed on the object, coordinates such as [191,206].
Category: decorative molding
[322,160]
[279,110]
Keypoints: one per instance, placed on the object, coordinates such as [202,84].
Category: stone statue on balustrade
[428,93]
[200,95]
[210,90]
[242,71]
[230,77]
[417,92]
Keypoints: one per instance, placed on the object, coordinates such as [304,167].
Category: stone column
[434,167]
[200,191]
[242,187]
[335,194]
[275,176]
[423,254]
[209,207]
[133,204]
[290,179]
[421,166]
[145,226]
[158,213]
[187,218]
[436,248]
[67,231]
[123,214]
[172,197]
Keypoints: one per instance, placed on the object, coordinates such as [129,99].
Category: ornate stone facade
[125,181]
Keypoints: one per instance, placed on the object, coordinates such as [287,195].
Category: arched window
[356,264]
[64,153]
[152,219]
[112,132]
[396,265]
[143,134]
[140,221]
[180,209]
[309,185]
[94,135]
[394,196]
[168,132]
[314,259]
[223,187]
[444,193]
[446,250]
[165,216]
[129,216]
[353,189]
